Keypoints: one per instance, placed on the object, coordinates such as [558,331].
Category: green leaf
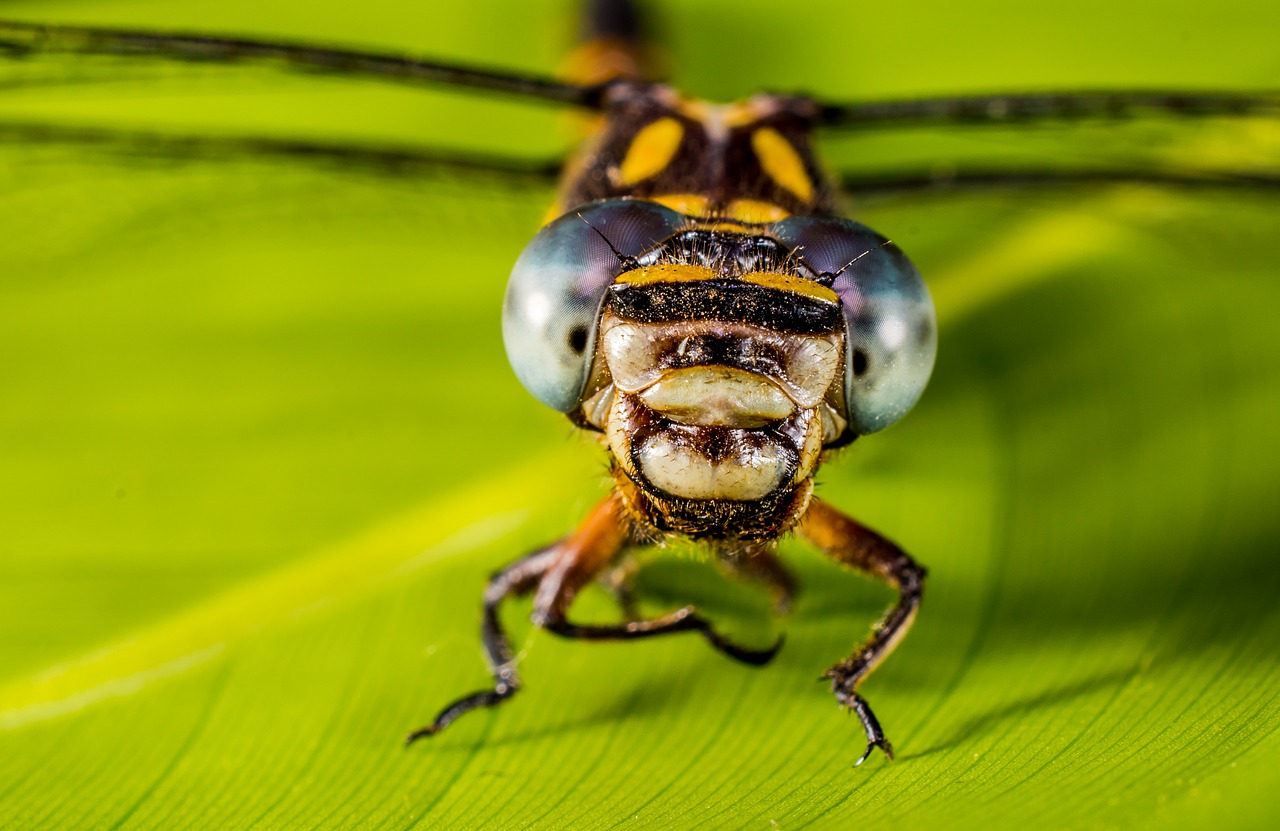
[261,450]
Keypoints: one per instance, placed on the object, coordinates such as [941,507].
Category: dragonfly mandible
[725,306]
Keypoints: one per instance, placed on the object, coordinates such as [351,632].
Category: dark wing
[19,39]
[861,184]
[1115,110]
[1047,107]
[379,159]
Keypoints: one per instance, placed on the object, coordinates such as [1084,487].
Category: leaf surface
[262,449]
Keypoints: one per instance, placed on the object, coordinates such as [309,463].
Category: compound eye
[891,330]
[552,306]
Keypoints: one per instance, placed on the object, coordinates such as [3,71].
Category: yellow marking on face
[756,212]
[685,273]
[689,204]
[652,149]
[781,162]
[792,283]
[667,273]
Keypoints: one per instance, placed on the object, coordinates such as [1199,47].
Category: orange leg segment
[858,547]
[556,574]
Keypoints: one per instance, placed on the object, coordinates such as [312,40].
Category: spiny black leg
[846,675]
[587,554]
[861,548]
[514,580]
[870,724]
[558,571]
[685,619]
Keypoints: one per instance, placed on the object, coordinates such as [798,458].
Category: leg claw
[881,743]
[420,733]
[870,724]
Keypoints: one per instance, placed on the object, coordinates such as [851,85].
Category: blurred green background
[261,448]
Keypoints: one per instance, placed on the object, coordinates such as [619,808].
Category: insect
[700,304]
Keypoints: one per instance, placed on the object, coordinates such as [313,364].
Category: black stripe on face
[731,301]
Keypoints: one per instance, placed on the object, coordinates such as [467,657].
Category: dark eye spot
[859,363]
[578,339]
[924,332]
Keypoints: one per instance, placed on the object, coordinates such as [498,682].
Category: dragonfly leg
[516,579]
[559,572]
[684,619]
[860,548]
[582,557]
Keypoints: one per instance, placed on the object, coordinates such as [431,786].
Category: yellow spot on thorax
[781,162]
[603,59]
[734,216]
[652,149]
[725,226]
[755,212]
[689,204]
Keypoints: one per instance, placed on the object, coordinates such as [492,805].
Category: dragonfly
[738,277]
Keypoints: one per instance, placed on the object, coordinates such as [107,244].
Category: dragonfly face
[719,358]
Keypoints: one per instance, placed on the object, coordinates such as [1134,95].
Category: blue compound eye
[552,306]
[891,330]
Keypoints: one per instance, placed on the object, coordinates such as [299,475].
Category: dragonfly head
[718,360]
